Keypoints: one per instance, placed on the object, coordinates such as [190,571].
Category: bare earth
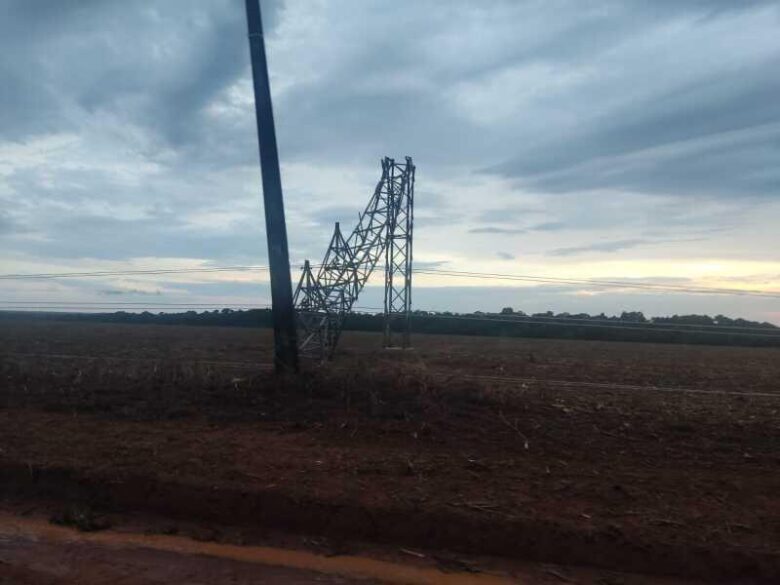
[522,449]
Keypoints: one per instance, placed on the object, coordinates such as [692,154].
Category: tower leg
[398,266]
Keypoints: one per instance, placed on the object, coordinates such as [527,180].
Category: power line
[431,271]
[114,308]
[600,283]
[152,271]
[133,303]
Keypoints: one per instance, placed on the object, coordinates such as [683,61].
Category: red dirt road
[32,562]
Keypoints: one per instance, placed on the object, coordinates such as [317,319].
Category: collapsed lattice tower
[324,297]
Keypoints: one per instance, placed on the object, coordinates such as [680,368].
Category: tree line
[628,326]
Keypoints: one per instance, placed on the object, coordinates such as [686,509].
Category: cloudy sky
[620,140]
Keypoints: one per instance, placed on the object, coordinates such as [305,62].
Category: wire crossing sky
[565,141]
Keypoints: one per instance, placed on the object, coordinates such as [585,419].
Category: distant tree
[723,320]
[507,311]
[633,317]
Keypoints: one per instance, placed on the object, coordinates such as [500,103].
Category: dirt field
[659,459]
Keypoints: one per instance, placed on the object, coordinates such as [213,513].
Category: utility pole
[285,338]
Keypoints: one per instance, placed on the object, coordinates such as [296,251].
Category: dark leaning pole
[285,338]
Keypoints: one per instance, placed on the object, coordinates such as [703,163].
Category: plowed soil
[648,458]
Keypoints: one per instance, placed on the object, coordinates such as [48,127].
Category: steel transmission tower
[325,296]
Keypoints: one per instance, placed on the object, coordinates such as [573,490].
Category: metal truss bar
[384,227]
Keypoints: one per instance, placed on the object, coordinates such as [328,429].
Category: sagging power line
[140,272]
[628,285]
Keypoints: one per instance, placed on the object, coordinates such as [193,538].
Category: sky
[617,140]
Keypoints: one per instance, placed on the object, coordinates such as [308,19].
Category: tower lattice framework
[325,296]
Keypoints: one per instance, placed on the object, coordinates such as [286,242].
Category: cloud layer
[568,137]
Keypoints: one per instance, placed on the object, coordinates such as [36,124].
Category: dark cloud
[507,214]
[430,265]
[612,246]
[108,238]
[686,142]
[114,292]
[497,230]
[385,94]
[327,216]
[442,218]
[547,226]
[7,224]
[505,255]
[25,107]
[156,66]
